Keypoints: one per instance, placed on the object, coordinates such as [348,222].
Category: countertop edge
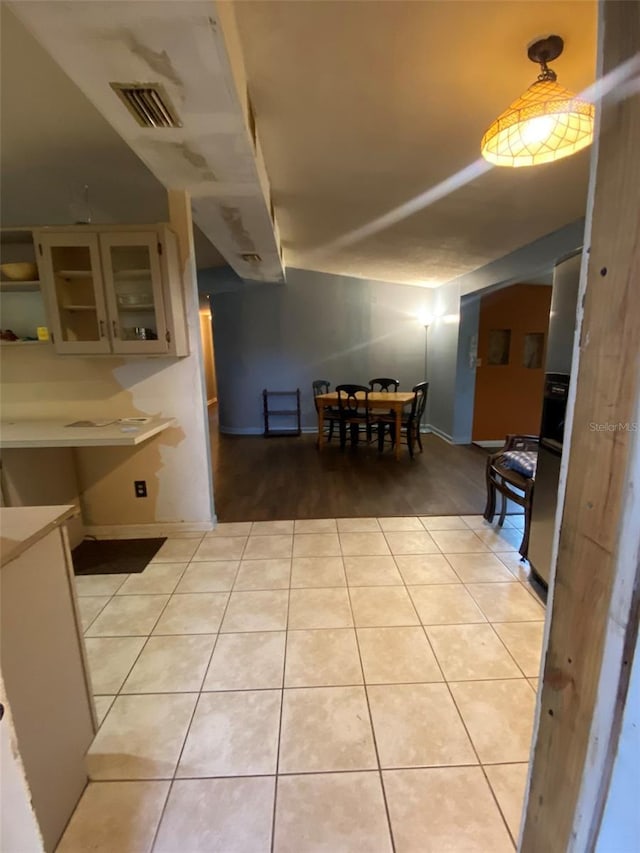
[88,437]
[34,524]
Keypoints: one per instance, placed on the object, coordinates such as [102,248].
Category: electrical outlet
[140,487]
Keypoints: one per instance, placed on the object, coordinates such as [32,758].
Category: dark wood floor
[267,479]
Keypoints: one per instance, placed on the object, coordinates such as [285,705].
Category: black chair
[331,413]
[383,383]
[410,425]
[354,412]
[503,480]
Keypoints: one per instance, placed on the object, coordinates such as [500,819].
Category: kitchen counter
[21,527]
[50,718]
[56,433]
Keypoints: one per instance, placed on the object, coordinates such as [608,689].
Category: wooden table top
[383,398]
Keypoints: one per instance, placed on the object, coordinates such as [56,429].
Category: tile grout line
[277,630]
[193,713]
[143,647]
[373,731]
[481,765]
[508,650]
[119,693]
[287,630]
[291,773]
[446,682]
[284,670]
[322,686]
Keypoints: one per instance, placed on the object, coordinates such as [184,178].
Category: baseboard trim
[259,430]
[147,531]
[490,444]
[443,435]
[240,430]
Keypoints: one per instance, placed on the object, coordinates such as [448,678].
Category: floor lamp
[426,349]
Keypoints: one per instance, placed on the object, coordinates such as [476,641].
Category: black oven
[554,409]
[545,492]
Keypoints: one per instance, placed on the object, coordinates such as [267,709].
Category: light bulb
[537,129]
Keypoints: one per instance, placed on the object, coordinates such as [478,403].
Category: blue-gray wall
[452,380]
[443,359]
[320,326]
[466,368]
[316,326]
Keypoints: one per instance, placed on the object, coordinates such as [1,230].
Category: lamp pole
[426,349]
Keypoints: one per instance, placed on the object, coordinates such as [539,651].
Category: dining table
[386,401]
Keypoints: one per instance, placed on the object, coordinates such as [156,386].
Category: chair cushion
[521,461]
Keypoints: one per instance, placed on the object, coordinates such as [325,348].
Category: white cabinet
[22,310]
[113,290]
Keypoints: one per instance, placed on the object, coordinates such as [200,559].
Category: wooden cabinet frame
[46,242]
[119,343]
[167,282]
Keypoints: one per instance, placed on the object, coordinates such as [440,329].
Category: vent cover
[147,103]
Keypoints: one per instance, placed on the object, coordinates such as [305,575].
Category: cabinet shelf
[79,307]
[69,274]
[19,286]
[132,274]
[23,343]
[149,307]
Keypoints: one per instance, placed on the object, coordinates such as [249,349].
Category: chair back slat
[349,404]
[320,386]
[419,403]
[384,383]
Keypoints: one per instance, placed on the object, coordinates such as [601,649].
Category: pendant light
[546,123]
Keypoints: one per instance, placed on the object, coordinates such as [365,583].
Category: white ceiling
[363,106]
[54,142]
[360,106]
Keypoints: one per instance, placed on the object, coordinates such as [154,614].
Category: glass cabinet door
[133,286]
[74,285]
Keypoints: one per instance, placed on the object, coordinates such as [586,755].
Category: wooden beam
[594,619]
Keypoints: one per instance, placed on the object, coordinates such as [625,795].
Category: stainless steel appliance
[545,495]
[562,322]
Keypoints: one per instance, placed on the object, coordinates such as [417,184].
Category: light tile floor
[359,685]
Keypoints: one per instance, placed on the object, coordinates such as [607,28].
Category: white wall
[36,383]
[620,828]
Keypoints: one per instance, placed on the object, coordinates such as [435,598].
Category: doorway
[208,350]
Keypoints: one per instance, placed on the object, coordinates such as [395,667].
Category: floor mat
[114,556]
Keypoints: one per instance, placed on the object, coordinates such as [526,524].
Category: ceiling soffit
[191,49]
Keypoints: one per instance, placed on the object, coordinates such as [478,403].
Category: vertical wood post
[594,620]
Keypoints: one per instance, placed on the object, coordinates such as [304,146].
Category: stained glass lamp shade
[546,123]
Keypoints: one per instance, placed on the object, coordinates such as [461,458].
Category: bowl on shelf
[19,272]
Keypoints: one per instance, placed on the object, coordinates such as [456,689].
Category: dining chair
[410,424]
[354,412]
[383,383]
[331,413]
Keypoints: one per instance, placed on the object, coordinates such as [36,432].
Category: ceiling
[362,106]
[54,142]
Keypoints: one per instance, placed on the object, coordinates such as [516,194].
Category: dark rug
[114,556]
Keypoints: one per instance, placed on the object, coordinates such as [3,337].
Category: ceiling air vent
[147,103]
